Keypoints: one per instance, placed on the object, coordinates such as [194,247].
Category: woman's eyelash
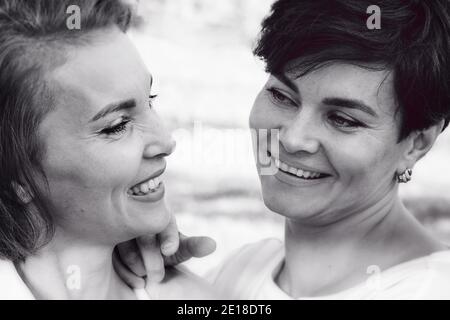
[118,128]
[280,97]
[150,100]
[342,122]
[121,127]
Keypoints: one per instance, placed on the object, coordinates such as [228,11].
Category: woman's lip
[297,181]
[154,196]
[153,176]
[301,167]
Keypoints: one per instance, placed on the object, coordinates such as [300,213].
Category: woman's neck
[322,260]
[69,268]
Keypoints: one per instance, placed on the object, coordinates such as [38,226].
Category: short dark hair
[33,39]
[413,42]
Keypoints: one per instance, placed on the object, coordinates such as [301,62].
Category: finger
[169,238]
[130,255]
[126,275]
[200,246]
[153,261]
[191,247]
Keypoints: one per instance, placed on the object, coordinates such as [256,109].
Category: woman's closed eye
[117,127]
[120,125]
[280,98]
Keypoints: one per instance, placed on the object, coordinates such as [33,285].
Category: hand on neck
[71,268]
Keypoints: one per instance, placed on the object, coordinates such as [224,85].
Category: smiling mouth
[297,172]
[148,186]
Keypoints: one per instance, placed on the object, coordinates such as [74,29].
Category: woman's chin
[151,221]
[289,207]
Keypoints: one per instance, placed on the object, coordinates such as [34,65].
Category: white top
[250,274]
[179,283]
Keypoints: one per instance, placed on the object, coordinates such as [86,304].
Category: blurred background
[199,52]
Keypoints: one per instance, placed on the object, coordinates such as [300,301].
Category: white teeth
[298,172]
[277,163]
[144,188]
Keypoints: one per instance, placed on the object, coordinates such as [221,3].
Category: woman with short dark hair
[353,109]
[345,115]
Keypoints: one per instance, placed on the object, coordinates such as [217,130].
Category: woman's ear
[420,142]
[25,196]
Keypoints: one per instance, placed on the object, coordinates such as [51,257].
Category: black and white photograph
[224,150]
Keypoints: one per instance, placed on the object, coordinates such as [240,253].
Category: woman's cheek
[263,115]
[105,165]
[360,158]
[122,163]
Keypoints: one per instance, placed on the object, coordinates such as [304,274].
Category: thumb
[191,247]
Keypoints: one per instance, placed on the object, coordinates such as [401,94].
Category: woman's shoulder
[252,254]
[181,284]
[255,253]
[422,278]
[244,269]
[437,276]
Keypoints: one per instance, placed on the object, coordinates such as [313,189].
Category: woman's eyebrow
[114,107]
[286,81]
[349,103]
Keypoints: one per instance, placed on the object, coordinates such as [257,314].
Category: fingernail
[167,248]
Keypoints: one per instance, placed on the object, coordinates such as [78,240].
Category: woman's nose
[159,142]
[300,134]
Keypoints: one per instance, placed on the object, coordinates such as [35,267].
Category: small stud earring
[405,176]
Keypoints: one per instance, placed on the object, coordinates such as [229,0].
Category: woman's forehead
[110,61]
[99,74]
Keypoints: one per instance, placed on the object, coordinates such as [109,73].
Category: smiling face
[338,150]
[101,141]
